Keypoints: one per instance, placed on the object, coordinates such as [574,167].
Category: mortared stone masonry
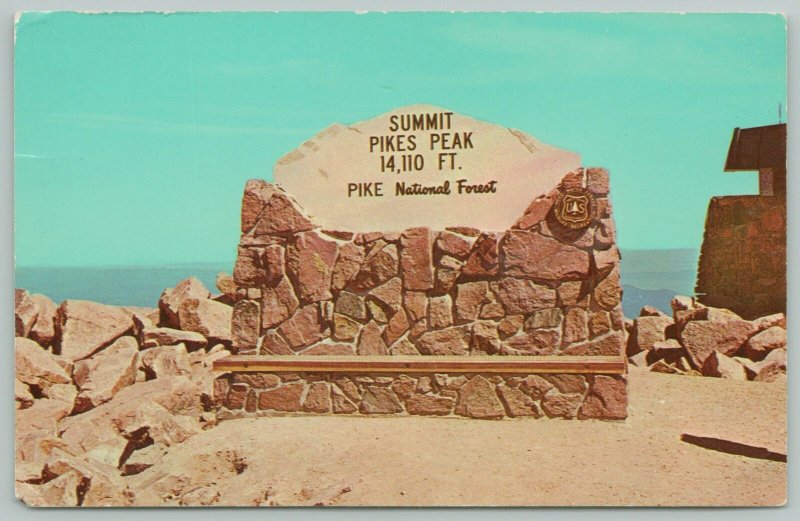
[538,288]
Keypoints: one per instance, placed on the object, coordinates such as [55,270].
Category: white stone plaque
[420,165]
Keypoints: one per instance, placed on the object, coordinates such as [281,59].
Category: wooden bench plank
[422,364]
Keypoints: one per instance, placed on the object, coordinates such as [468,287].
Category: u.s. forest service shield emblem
[575,208]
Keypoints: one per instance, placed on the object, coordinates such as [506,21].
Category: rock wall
[742,263]
[539,288]
[471,395]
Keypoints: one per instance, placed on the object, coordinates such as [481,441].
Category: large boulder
[721,366]
[647,331]
[209,318]
[100,377]
[703,331]
[94,433]
[759,345]
[172,298]
[84,328]
[34,317]
[162,361]
[99,485]
[37,367]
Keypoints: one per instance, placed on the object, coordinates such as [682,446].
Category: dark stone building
[742,263]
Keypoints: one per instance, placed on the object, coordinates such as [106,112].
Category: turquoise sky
[135,134]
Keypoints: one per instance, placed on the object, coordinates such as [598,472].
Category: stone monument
[425,233]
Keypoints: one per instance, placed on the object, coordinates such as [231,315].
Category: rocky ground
[114,407]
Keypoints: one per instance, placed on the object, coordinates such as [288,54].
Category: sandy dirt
[337,460]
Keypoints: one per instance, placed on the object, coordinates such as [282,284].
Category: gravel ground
[336,460]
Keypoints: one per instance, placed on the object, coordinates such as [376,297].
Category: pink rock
[246,325]
[607,399]
[522,297]
[703,337]
[347,265]
[599,324]
[345,328]
[538,342]
[718,365]
[485,337]
[278,304]
[165,336]
[597,181]
[605,234]
[639,359]
[389,295]
[396,327]
[528,254]
[451,341]
[256,194]
[172,298]
[37,313]
[249,268]
[226,285]
[610,344]
[83,327]
[448,243]
[379,400]
[379,266]
[771,372]
[416,262]
[351,305]
[440,312]
[421,404]
[568,383]
[310,261]
[209,318]
[576,327]
[606,260]
[25,313]
[758,345]
[517,403]
[340,403]
[607,294]
[510,326]
[448,269]
[285,398]
[470,297]
[416,304]
[103,375]
[535,213]
[281,216]
[535,386]
[647,330]
[165,361]
[571,293]
[477,399]
[483,261]
[303,328]
[371,341]
[557,405]
[329,349]
[778,319]
[36,366]
[273,344]
[273,264]
[318,398]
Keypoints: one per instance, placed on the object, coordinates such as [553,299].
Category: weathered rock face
[83,328]
[171,300]
[542,289]
[100,377]
[471,396]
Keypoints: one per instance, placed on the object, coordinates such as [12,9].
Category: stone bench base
[485,387]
